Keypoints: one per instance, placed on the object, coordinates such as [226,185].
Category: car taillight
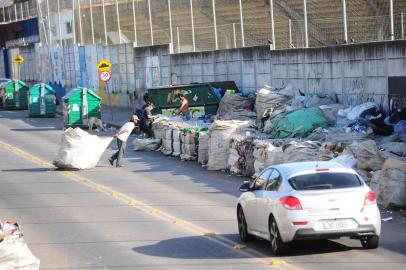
[322,170]
[370,198]
[291,203]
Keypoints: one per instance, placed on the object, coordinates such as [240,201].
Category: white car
[308,200]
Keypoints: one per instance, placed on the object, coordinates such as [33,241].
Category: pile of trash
[80,150]
[282,125]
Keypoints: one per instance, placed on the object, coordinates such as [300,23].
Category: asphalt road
[155,213]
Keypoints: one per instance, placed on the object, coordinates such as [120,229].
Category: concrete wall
[355,73]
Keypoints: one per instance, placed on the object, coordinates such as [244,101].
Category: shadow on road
[200,247]
[33,129]
[28,170]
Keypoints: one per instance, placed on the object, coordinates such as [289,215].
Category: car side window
[262,180]
[274,181]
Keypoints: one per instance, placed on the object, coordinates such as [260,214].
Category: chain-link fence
[201,25]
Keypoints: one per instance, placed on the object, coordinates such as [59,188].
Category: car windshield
[325,180]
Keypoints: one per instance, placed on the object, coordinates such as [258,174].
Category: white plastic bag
[80,150]
[14,252]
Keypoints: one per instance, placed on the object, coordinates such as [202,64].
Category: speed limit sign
[105,76]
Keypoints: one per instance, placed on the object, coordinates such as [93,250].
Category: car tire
[370,242]
[278,247]
[242,227]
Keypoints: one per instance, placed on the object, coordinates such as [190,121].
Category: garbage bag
[368,156]
[14,252]
[219,142]
[80,150]
[301,151]
[355,112]
[241,159]
[203,148]
[299,123]
[231,104]
[177,149]
[269,100]
[149,144]
[167,143]
[389,184]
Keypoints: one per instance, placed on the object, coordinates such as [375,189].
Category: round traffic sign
[105,76]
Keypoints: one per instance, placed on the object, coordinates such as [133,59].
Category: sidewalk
[112,116]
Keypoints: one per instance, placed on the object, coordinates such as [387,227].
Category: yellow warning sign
[104,65]
[18,59]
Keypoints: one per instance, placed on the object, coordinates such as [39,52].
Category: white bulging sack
[80,150]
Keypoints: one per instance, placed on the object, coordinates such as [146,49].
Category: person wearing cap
[184,108]
[122,136]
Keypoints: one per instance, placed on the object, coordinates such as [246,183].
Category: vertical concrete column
[345,21]
[118,22]
[104,23]
[150,22]
[193,26]
[80,23]
[242,25]
[170,24]
[59,23]
[91,21]
[73,22]
[305,23]
[290,34]
[135,25]
[49,23]
[392,26]
[273,24]
[215,24]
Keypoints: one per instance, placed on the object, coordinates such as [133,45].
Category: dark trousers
[120,153]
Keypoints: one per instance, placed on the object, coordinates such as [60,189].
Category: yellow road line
[139,205]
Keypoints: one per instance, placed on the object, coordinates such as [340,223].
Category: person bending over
[122,136]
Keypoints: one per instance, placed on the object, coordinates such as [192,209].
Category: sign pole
[104,68]
[109,95]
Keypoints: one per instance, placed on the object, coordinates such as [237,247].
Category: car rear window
[326,180]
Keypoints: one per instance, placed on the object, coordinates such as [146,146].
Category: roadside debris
[14,252]
[80,150]
[293,126]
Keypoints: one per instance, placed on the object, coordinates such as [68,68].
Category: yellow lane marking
[150,210]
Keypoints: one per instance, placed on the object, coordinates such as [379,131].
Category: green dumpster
[41,101]
[79,105]
[14,95]
[201,96]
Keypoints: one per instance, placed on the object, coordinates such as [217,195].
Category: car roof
[300,168]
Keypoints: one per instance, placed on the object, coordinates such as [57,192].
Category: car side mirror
[245,186]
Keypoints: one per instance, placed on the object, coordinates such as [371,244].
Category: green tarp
[299,123]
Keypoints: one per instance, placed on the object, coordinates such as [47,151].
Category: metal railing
[18,12]
[199,25]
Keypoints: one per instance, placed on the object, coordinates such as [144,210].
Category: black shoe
[119,165]
[111,161]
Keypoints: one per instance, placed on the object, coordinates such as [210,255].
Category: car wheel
[277,245]
[370,242]
[242,227]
